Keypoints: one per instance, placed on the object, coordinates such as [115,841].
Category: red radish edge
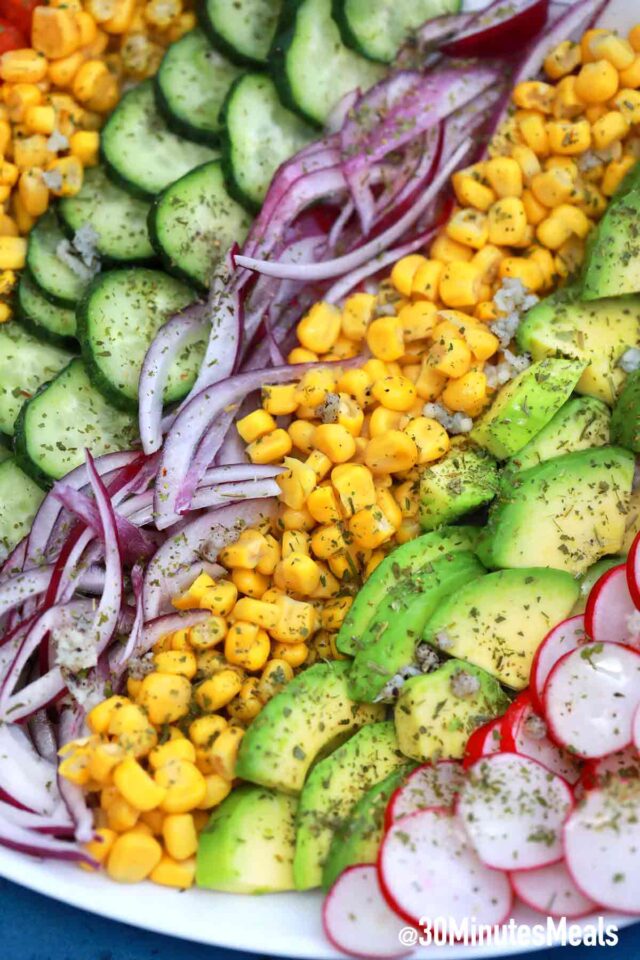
[633,571]
[612,592]
[535,687]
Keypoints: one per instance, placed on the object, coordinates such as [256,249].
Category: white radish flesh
[356,917]
[484,741]
[513,810]
[636,729]
[590,698]
[602,845]
[551,891]
[525,732]
[633,571]
[564,638]
[609,607]
[428,869]
[624,764]
[429,786]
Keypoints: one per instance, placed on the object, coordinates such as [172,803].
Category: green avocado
[248,844]
[332,790]
[523,407]
[358,840]
[589,579]
[462,481]
[437,712]
[497,622]
[632,522]
[625,419]
[582,423]
[400,564]
[595,333]
[613,266]
[390,640]
[309,717]
[564,513]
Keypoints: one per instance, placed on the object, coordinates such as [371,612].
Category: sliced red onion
[221,493]
[341,265]
[106,617]
[118,661]
[43,736]
[59,823]
[25,777]
[339,113]
[432,33]
[200,539]
[40,845]
[136,544]
[23,586]
[74,798]
[501,26]
[64,581]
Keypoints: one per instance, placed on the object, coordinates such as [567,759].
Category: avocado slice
[462,481]
[589,579]
[565,513]
[625,419]
[436,713]
[595,333]
[390,639]
[394,568]
[632,522]
[248,844]
[523,407]
[613,265]
[582,423]
[332,790]
[313,713]
[358,839]
[497,622]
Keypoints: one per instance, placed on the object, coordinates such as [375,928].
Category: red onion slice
[106,617]
[498,28]
[136,544]
[25,777]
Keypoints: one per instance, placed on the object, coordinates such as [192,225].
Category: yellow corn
[179,749]
[505,175]
[563,59]
[54,31]
[179,835]
[177,662]
[173,873]
[256,424]
[274,677]
[385,338]
[133,856]
[165,697]
[431,439]
[469,227]
[218,690]
[357,314]
[597,82]
[216,789]
[392,453]
[136,786]
[533,131]
[23,66]
[404,271]
[184,785]
[247,704]
[272,446]
[319,328]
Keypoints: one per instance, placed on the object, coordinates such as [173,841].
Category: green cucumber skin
[220,43]
[278,65]
[226,150]
[163,257]
[51,297]
[46,336]
[21,452]
[122,182]
[348,36]
[109,263]
[180,127]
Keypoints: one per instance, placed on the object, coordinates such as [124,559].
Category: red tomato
[10,37]
[19,12]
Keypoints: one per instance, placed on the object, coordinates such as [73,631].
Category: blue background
[36,928]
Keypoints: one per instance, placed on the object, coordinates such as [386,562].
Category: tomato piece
[11,38]
[19,13]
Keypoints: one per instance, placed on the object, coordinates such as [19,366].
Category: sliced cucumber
[20,498]
[56,279]
[259,134]
[140,151]
[5,452]
[191,85]
[312,67]
[45,319]
[119,219]
[378,30]
[242,30]
[118,319]
[66,417]
[194,222]
[25,364]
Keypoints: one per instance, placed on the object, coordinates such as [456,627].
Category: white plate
[286,925]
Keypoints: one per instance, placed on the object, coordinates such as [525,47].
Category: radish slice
[636,729]
[500,24]
[633,571]
[357,919]
[484,741]
[429,869]
[428,786]
[564,638]
[609,607]
[525,732]
[513,809]
[590,699]
[624,765]
[601,843]
[551,891]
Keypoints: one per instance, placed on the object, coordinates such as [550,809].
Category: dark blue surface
[36,928]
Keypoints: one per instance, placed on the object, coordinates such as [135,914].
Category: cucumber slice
[57,281]
[139,150]
[45,319]
[194,222]
[191,85]
[25,364]
[259,135]
[119,219]
[66,417]
[20,498]
[312,67]
[242,30]
[117,321]
[378,30]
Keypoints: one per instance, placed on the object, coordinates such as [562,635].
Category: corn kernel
[392,453]
[70,174]
[247,646]
[247,704]
[271,447]
[275,676]
[618,52]
[133,856]
[62,71]
[430,382]
[334,441]
[469,227]
[94,86]
[553,232]
[297,519]
[507,222]
[319,328]
[451,357]
[100,847]
[628,103]
[532,95]
[224,752]
[430,437]
[505,176]
[177,662]
[614,175]
[184,784]
[385,338]
[297,620]
[121,815]
[563,59]
[166,697]
[357,314]
[370,527]
[404,271]
[250,582]
[219,598]
[354,486]
[597,82]
[130,725]
[54,31]
[523,269]
[630,77]
[23,66]
[180,749]
[468,394]
[471,189]
[216,789]
[99,717]
[533,131]
[179,835]
[172,873]
[136,786]
[121,19]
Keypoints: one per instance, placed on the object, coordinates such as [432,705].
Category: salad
[319,513]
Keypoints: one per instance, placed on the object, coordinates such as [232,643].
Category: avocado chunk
[613,265]
[625,419]
[498,621]
[248,844]
[565,513]
[391,638]
[332,790]
[523,407]
[358,839]
[394,568]
[462,481]
[582,423]
[632,522]
[436,713]
[312,714]
[595,333]
[592,575]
